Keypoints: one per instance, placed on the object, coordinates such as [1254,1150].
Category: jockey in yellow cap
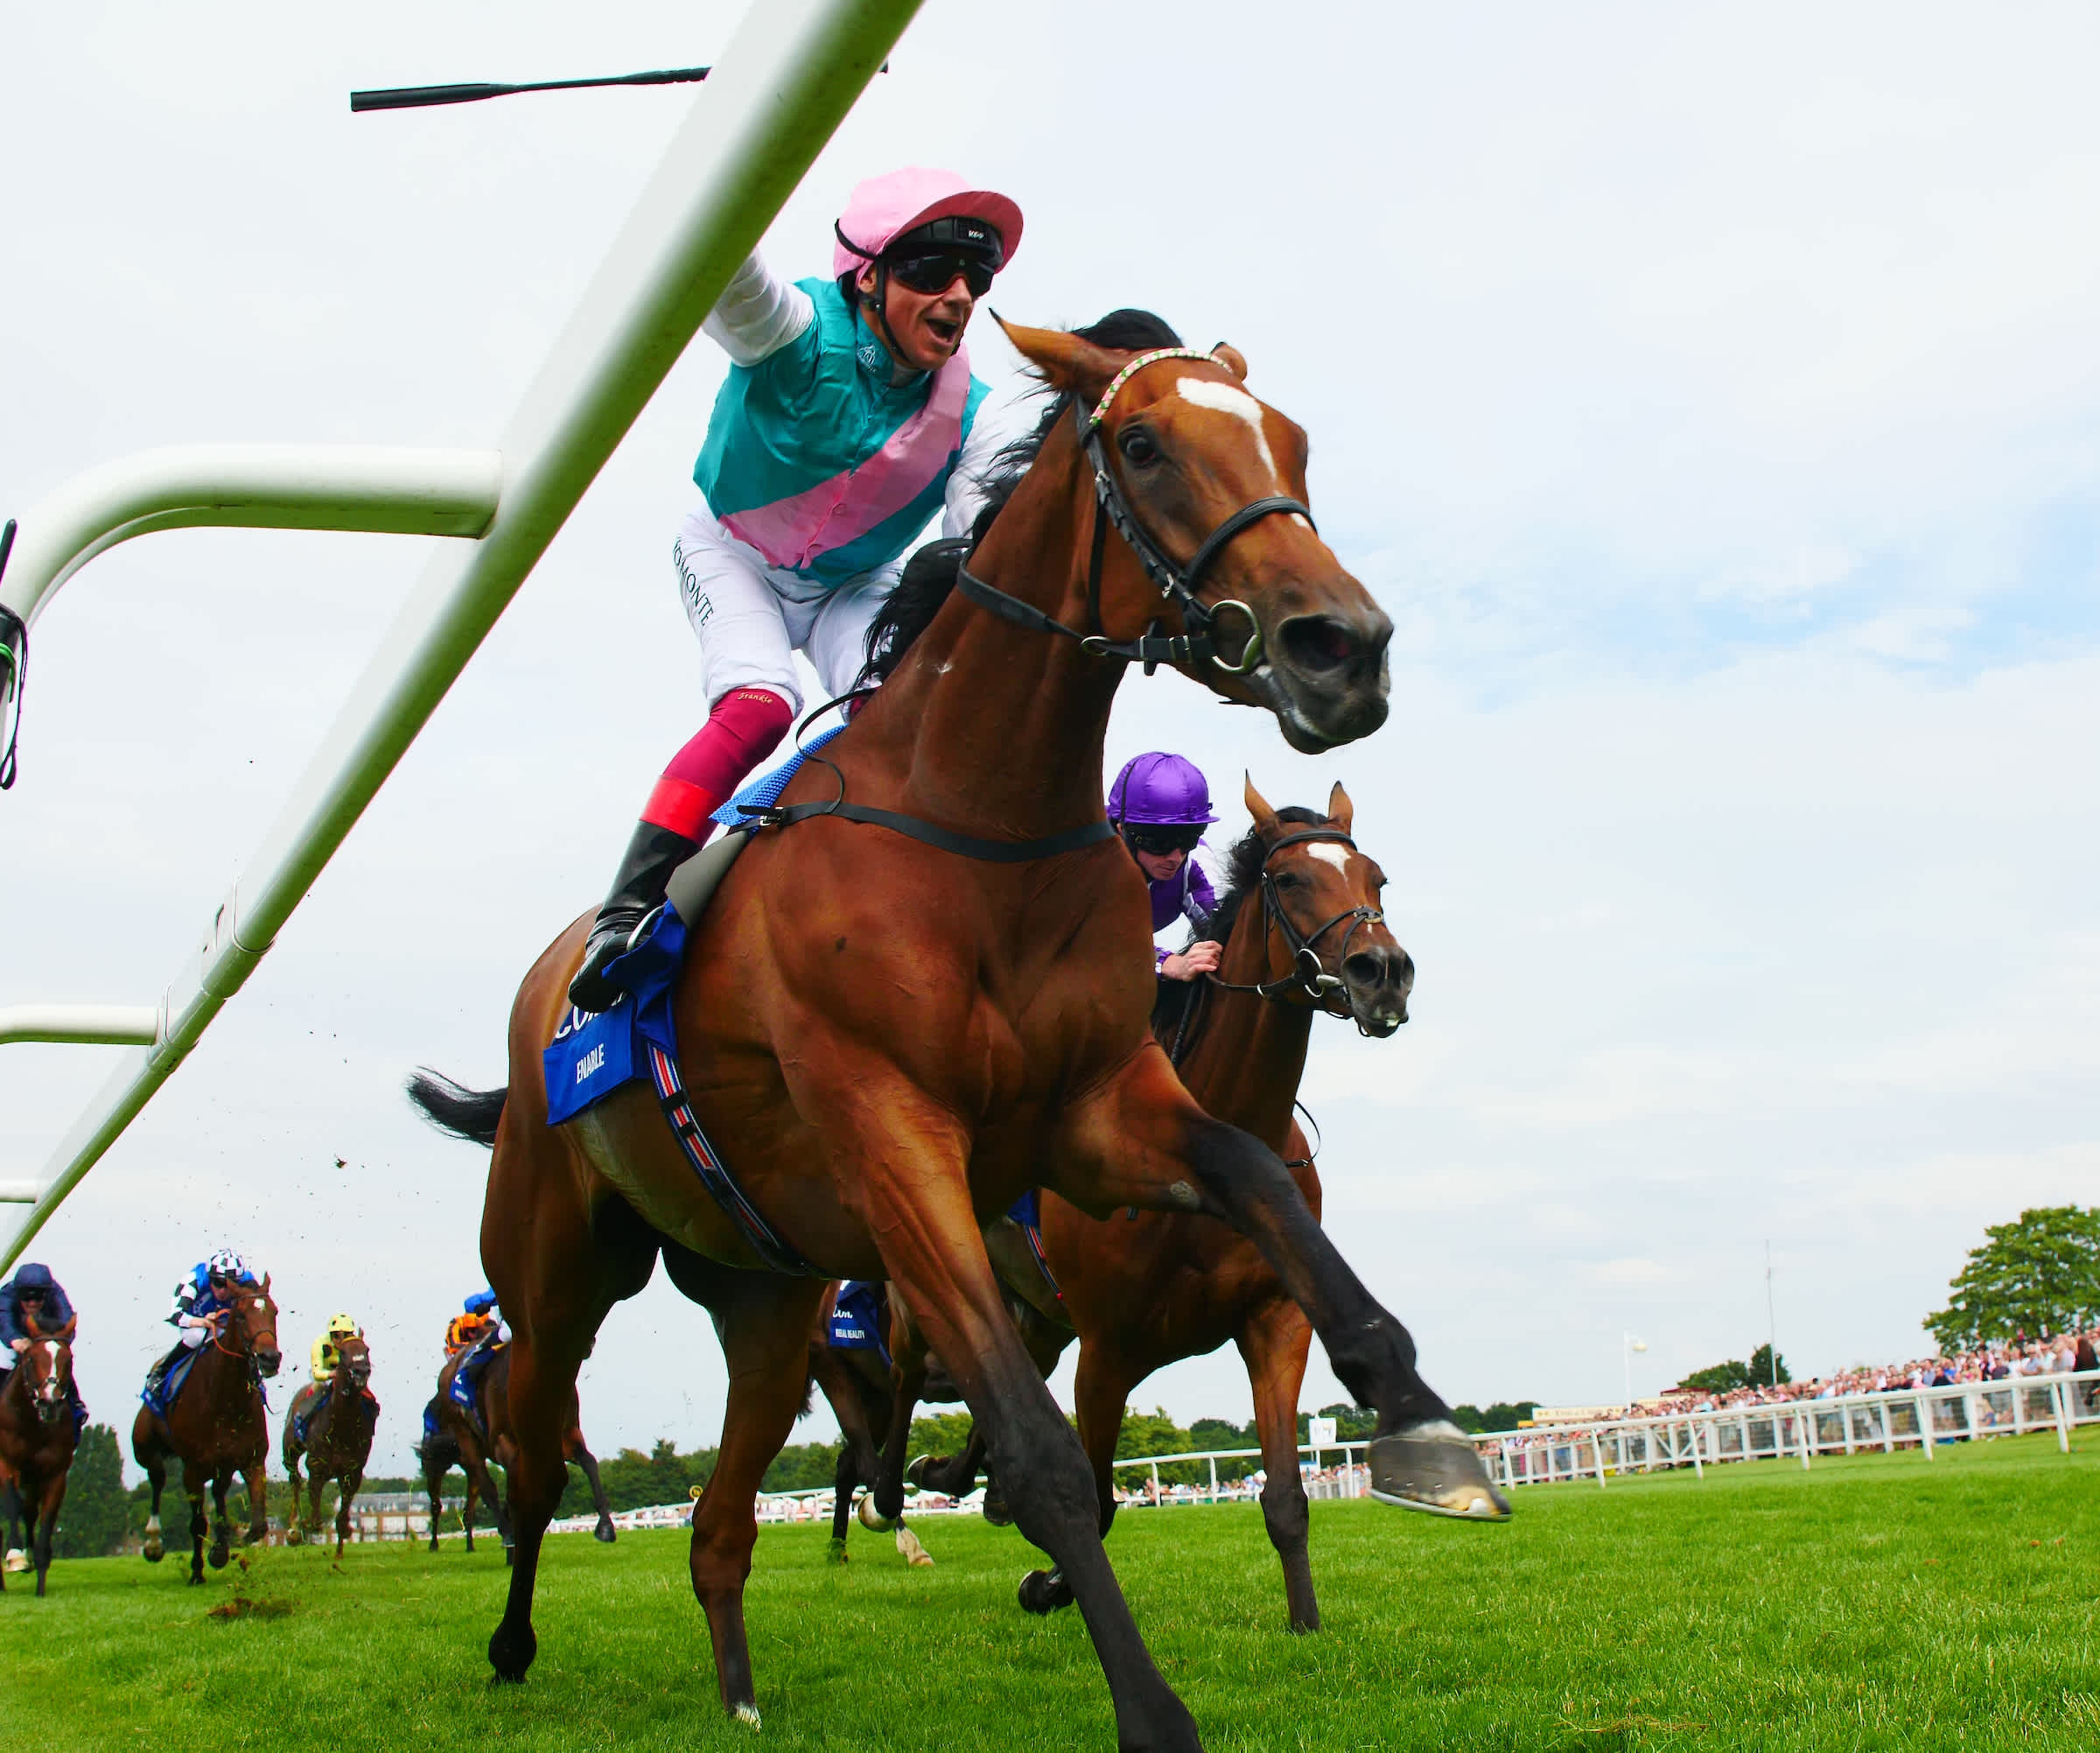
[326,1349]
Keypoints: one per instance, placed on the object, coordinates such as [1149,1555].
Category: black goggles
[1159,841]
[934,270]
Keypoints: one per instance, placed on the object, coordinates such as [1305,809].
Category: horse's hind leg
[1101,1389]
[765,1331]
[346,1488]
[579,1452]
[256,1472]
[195,1483]
[1275,1343]
[222,1526]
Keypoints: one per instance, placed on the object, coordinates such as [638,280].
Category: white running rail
[777,93]
[1796,1430]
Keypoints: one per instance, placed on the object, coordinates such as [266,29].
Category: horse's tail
[469,1114]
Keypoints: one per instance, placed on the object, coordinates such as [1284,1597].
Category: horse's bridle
[247,1351]
[1177,583]
[1308,974]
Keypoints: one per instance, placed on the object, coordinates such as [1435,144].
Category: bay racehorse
[934,992]
[337,1444]
[470,1443]
[36,1436]
[217,1427]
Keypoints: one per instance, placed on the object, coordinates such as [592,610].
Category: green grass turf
[1880,1602]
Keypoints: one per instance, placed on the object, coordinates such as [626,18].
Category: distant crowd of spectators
[1998,1361]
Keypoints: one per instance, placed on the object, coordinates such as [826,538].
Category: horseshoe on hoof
[871,1517]
[1043,1592]
[1433,1467]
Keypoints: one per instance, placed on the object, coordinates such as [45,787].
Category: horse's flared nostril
[1365,968]
[1317,644]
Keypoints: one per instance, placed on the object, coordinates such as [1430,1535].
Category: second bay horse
[37,1437]
[934,993]
[337,1444]
[217,1427]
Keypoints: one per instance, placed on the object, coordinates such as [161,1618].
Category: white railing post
[1925,1431]
[2059,1393]
[1213,1478]
[1691,1432]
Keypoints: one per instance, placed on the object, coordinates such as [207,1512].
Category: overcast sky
[1708,394]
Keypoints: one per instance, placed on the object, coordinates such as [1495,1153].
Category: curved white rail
[89,1025]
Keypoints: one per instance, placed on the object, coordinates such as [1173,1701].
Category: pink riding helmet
[1160,790]
[883,208]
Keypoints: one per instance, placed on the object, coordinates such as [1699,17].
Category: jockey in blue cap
[1160,805]
[33,1306]
[848,420]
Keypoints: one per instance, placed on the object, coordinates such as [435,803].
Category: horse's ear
[1341,811]
[1231,358]
[1265,824]
[265,1284]
[1067,361]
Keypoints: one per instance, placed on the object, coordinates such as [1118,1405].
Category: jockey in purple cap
[849,419]
[1160,805]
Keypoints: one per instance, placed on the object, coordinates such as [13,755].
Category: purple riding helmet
[1160,790]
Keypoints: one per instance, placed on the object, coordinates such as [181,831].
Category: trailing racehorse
[470,1443]
[338,1442]
[216,1428]
[1144,1290]
[934,992]
[36,1435]
[873,1405]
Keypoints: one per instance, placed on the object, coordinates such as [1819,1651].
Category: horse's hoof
[17,1561]
[748,1716]
[604,1533]
[295,1537]
[1045,1591]
[996,1512]
[510,1654]
[217,1555]
[1433,1467]
[196,1579]
[152,1554]
[907,1544]
[914,1470]
[872,1518]
[837,1553]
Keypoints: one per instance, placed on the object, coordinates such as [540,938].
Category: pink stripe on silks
[793,532]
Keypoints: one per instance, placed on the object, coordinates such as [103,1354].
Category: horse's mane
[929,575]
[1243,875]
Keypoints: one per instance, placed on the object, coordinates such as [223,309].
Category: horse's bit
[1177,583]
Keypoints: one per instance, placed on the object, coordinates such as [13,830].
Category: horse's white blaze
[1328,853]
[1208,392]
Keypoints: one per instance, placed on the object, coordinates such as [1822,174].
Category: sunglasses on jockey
[1159,841]
[935,270]
[929,257]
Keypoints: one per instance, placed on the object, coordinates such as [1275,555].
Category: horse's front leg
[907,1384]
[1140,1139]
[1274,1344]
[346,1488]
[51,1500]
[906,1156]
[1101,1389]
[842,1386]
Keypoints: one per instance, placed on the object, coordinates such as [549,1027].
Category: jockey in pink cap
[848,420]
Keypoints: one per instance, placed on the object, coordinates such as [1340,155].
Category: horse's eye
[1137,447]
[1287,879]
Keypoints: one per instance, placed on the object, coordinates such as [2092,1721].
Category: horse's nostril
[1364,968]
[1317,643]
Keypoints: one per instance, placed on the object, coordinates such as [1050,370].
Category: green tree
[1502,1415]
[1765,1369]
[1716,1378]
[2040,1274]
[95,1518]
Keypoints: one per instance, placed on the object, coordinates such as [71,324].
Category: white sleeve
[989,433]
[757,315]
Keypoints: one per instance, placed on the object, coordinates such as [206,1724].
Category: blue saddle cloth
[857,1318]
[595,1053]
[158,1401]
[301,1420]
[466,1379]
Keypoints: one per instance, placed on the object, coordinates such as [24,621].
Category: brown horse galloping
[889,1040]
[337,1444]
[36,1436]
[217,1427]
[470,1443]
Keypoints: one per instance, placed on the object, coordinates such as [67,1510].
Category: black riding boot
[652,855]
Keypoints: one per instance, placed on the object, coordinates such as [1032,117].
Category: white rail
[1920,1419]
[777,93]
[95,1025]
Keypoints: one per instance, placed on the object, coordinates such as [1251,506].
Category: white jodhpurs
[751,618]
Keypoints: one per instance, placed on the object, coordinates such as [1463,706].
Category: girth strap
[967,845]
